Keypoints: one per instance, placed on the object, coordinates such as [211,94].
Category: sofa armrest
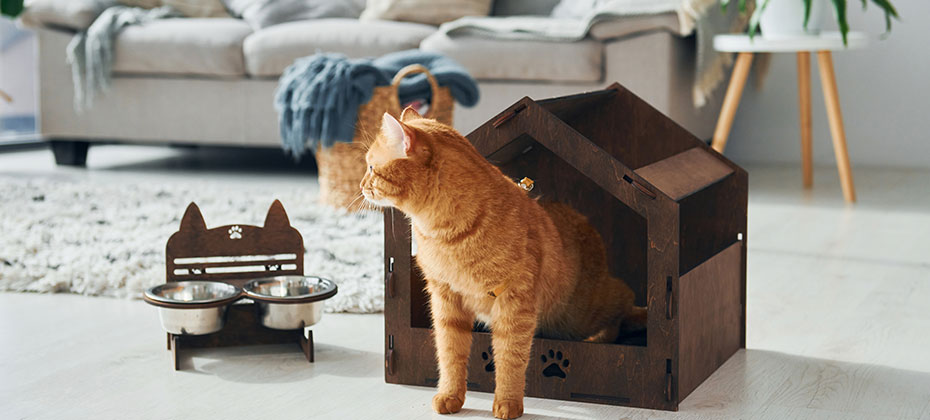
[69,14]
[621,27]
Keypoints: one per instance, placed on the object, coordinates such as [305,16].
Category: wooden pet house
[672,213]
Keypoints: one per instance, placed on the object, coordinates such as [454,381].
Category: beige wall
[885,94]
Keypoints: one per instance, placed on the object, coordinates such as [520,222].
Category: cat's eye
[370,167]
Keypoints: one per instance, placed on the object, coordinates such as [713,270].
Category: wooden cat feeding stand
[672,213]
[235,254]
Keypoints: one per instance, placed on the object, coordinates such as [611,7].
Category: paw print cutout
[235,232]
[488,356]
[557,364]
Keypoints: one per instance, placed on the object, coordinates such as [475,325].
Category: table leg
[804,95]
[731,100]
[831,97]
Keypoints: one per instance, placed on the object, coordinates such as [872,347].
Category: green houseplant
[11,8]
[808,8]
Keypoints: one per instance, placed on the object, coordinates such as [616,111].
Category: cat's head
[403,161]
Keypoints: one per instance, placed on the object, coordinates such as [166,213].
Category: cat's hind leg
[636,320]
[608,334]
[632,322]
[452,324]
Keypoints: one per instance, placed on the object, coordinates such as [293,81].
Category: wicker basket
[342,166]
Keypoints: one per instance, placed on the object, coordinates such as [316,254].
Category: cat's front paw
[447,404]
[507,409]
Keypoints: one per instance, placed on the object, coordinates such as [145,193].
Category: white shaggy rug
[85,236]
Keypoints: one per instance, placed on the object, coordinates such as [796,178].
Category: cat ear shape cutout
[193,219]
[409,114]
[277,217]
[397,134]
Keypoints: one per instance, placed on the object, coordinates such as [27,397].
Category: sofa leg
[70,152]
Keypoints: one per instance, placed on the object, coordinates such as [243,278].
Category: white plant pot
[785,18]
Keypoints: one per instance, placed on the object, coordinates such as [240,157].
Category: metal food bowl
[192,307]
[290,302]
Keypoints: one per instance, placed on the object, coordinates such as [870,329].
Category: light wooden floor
[839,324]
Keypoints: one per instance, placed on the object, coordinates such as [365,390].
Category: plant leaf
[11,8]
[889,12]
[807,12]
[840,6]
[756,16]
[725,3]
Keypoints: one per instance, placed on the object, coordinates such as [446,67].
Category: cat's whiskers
[352,203]
[362,207]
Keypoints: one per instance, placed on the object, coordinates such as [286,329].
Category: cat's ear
[193,220]
[397,134]
[277,217]
[392,129]
[409,114]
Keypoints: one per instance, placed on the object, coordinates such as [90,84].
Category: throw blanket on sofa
[318,96]
[90,52]
[693,15]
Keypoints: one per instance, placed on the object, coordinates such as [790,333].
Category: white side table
[823,45]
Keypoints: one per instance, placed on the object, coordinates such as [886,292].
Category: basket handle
[413,69]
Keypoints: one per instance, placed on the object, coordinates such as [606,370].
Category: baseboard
[18,142]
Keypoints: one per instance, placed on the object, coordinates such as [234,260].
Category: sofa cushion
[498,59]
[189,8]
[573,9]
[269,51]
[523,7]
[198,8]
[430,12]
[186,46]
[262,13]
[145,4]
[70,14]
[630,25]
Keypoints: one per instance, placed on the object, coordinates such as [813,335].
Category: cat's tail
[636,320]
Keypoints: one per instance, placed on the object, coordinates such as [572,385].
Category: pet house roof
[626,146]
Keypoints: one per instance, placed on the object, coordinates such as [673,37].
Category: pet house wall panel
[672,213]
[710,311]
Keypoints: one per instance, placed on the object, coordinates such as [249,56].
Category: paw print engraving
[235,232]
[557,365]
[488,356]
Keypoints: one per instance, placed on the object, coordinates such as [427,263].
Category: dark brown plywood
[711,316]
[197,253]
[685,173]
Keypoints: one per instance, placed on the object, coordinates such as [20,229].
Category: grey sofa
[211,81]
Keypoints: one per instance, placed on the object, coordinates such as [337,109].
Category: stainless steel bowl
[192,307]
[290,302]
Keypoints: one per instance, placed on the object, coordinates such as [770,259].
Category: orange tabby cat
[478,235]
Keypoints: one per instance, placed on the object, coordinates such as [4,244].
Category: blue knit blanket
[318,96]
